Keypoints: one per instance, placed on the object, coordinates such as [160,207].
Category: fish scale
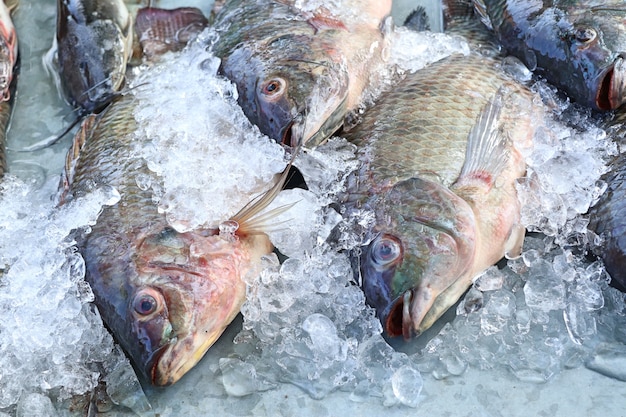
[434,90]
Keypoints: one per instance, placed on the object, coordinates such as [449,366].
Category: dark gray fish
[93,44]
[440,155]
[607,217]
[299,70]
[577,45]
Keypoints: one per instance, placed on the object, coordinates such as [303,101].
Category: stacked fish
[440,153]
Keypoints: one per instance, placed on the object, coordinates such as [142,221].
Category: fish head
[582,51]
[179,293]
[293,90]
[598,49]
[424,245]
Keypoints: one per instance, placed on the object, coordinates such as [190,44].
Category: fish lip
[612,86]
[175,359]
[312,136]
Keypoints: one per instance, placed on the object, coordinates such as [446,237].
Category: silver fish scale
[425,122]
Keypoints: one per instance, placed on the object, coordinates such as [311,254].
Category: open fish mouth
[611,93]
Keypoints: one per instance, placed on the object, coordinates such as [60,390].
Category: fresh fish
[163,30]
[607,218]
[299,69]
[440,154]
[577,45]
[165,295]
[8,62]
[93,44]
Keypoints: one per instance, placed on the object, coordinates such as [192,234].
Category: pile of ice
[53,345]
[210,160]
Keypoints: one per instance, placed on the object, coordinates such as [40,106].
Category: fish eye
[585,34]
[385,250]
[145,302]
[273,87]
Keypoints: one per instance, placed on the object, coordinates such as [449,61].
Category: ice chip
[546,291]
[239,378]
[35,404]
[407,385]
[490,280]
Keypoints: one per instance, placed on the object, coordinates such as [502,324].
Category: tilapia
[607,217]
[8,63]
[440,154]
[93,43]
[577,45]
[165,295]
[300,67]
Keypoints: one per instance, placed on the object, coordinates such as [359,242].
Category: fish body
[8,64]
[607,218]
[440,155]
[165,295]
[300,70]
[94,41]
[577,45]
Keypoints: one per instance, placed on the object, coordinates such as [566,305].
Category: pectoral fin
[488,147]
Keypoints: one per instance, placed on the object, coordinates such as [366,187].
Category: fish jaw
[426,246]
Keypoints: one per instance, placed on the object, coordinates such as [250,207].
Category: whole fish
[8,63]
[298,69]
[577,45]
[440,154]
[607,218]
[165,295]
[93,43]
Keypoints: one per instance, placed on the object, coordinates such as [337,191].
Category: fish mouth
[611,93]
[303,132]
[175,359]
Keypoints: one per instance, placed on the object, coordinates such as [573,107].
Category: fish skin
[556,40]
[299,72]
[8,74]
[429,189]
[164,30]
[607,218]
[136,262]
[88,76]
